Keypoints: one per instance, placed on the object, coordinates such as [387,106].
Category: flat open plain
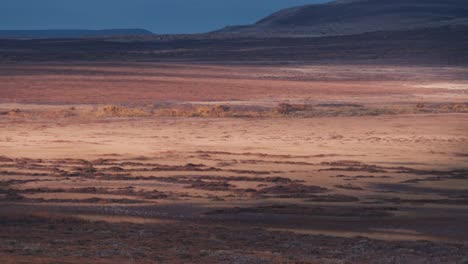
[211,163]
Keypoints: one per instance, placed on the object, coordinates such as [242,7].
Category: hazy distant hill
[428,46]
[423,32]
[73,33]
[348,17]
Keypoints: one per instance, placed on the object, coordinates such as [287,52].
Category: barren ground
[192,163]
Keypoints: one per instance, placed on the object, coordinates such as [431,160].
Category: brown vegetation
[120,111]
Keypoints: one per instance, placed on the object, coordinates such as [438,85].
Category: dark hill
[348,17]
[427,46]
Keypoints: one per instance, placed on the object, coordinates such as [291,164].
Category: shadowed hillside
[434,46]
[350,31]
[357,16]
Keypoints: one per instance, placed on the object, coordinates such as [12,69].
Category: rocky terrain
[228,148]
[105,163]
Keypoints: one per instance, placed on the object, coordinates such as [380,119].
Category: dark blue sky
[159,16]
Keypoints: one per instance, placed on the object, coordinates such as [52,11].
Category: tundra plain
[233,163]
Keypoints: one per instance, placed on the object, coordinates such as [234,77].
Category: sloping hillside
[433,46]
[348,17]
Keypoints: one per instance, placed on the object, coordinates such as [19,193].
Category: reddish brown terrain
[233,163]
[153,83]
[334,133]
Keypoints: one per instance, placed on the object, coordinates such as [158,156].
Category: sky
[158,16]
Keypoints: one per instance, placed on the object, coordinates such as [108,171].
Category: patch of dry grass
[224,111]
[121,111]
[210,111]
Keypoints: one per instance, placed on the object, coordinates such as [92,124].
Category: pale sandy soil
[277,189]
[398,139]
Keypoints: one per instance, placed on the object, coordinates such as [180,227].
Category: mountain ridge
[72,33]
[348,17]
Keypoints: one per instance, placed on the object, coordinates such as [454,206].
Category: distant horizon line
[79,29]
